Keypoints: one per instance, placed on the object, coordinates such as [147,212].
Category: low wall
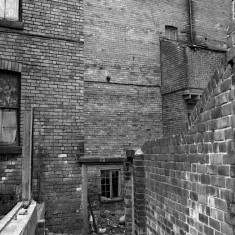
[185,184]
[20,221]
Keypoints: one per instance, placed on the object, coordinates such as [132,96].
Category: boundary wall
[185,184]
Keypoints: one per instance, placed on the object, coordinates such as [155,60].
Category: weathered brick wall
[201,66]
[183,68]
[10,187]
[210,22]
[128,196]
[173,66]
[122,38]
[122,42]
[174,113]
[189,186]
[50,50]
[118,117]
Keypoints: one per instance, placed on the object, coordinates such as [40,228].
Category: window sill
[10,150]
[106,200]
[11,24]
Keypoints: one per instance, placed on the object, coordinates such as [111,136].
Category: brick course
[188,177]
[121,44]
[117,120]
[183,68]
[49,51]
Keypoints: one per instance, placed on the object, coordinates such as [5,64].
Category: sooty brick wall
[119,116]
[174,113]
[173,66]
[189,178]
[201,66]
[183,68]
[122,38]
[122,42]
[49,50]
[210,22]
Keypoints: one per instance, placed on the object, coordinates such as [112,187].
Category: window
[171,32]
[110,184]
[9,108]
[9,10]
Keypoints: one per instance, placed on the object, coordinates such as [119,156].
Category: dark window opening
[110,183]
[171,32]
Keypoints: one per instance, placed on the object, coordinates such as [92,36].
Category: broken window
[9,9]
[171,32]
[110,183]
[9,106]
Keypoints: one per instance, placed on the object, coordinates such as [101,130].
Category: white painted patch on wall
[62,155]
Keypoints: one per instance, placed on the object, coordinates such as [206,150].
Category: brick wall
[128,196]
[49,50]
[210,22]
[122,43]
[122,38]
[189,178]
[118,117]
[201,66]
[174,112]
[183,68]
[173,66]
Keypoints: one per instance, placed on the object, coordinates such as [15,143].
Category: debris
[102,230]
[122,220]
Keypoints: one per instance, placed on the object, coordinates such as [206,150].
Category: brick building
[102,77]
[41,63]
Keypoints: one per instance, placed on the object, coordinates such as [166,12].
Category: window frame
[169,30]
[15,24]
[111,199]
[13,148]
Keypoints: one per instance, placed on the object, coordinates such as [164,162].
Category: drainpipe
[191,22]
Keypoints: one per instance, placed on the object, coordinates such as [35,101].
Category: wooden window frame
[110,170]
[15,24]
[13,148]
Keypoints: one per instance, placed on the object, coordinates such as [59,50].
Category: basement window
[110,185]
[171,32]
[9,108]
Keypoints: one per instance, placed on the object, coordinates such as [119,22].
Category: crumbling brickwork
[189,186]
[48,49]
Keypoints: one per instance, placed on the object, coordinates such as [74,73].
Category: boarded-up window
[171,32]
[9,9]
[9,105]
